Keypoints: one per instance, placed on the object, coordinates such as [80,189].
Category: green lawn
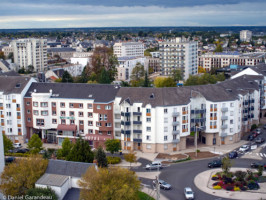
[144,196]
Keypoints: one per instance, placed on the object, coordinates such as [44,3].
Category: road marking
[257,154]
[264,155]
[261,154]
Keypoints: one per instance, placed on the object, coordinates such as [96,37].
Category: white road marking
[264,155]
[257,154]
[261,154]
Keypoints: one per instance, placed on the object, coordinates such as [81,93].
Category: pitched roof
[68,168]
[98,92]
[52,180]
[15,84]
[9,73]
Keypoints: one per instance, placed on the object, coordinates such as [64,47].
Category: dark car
[260,140]
[22,150]
[215,163]
[257,164]
[9,160]
[250,138]
[255,134]
[264,126]
[232,155]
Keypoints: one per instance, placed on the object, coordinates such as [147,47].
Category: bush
[214,184]
[236,188]
[217,187]
[113,160]
[253,127]
[252,185]
[215,178]
[229,188]
[198,150]
[243,188]
[18,154]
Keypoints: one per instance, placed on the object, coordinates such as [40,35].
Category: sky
[130,13]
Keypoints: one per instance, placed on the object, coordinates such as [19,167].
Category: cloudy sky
[118,13]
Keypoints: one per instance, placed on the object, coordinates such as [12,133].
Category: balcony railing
[175,132]
[224,126]
[176,140]
[176,123]
[224,117]
[198,111]
[175,114]
[184,130]
[125,123]
[224,109]
[137,131]
[126,114]
[137,113]
[137,140]
[223,134]
[137,122]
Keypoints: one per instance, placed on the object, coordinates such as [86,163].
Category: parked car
[233,155]
[215,163]
[189,194]
[154,165]
[255,134]
[258,131]
[17,145]
[250,138]
[264,127]
[244,148]
[22,150]
[260,140]
[9,159]
[257,164]
[163,185]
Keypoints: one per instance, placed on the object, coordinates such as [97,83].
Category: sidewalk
[152,193]
[202,182]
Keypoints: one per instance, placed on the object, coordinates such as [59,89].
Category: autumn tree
[130,157]
[33,193]
[8,144]
[113,145]
[22,175]
[35,144]
[66,148]
[109,184]
[164,82]
[218,48]
[137,72]
[2,55]
[201,70]
[101,157]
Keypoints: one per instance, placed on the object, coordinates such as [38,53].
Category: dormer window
[152,96]
[18,85]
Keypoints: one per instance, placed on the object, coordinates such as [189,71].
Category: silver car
[189,194]
[154,165]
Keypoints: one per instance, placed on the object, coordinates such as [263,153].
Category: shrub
[198,150]
[214,184]
[229,188]
[18,154]
[252,185]
[243,188]
[215,178]
[113,160]
[236,188]
[221,183]
[253,127]
[217,187]
[240,175]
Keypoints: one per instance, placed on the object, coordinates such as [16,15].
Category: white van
[17,145]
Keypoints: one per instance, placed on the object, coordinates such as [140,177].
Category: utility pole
[196,140]
[157,188]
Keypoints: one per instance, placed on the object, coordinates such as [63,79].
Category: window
[35,104]
[9,122]
[165,129]
[90,123]
[165,138]
[174,119]
[148,146]
[18,105]
[54,121]
[44,104]
[8,114]
[72,121]
[231,138]
[98,107]
[231,113]
[8,105]
[80,114]
[63,113]
[99,124]
[40,122]
[148,137]
[231,104]
[44,112]
[148,119]
[28,111]
[19,130]
[36,112]
[63,121]
[53,112]
[108,124]
[148,110]
[81,105]
[165,146]
[71,105]
[107,107]
[100,117]
[148,128]
[89,114]
[231,121]
[231,130]
[166,120]
[28,103]
[53,104]
[90,131]
[100,132]
[62,105]
[29,119]
[174,128]
[109,132]
[80,122]
[174,137]
[105,117]
[9,130]
[165,111]
[89,106]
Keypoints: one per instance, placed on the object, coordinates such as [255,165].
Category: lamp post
[196,140]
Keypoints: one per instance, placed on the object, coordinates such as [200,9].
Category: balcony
[224,126]
[126,114]
[184,112]
[223,134]
[138,140]
[252,101]
[252,108]
[224,109]
[137,131]
[198,111]
[176,140]
[2,124]
[125,131]
[137,122]
[148,114]
[19,125]
[14,101]
[245,119]
[224,117]
[184,121]
[184,130]
[175,114]
[1,108]
[176,123]
[175,132]
[125,123]
[137,113]
[2,116]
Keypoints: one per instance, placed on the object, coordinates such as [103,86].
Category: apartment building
[161,119]
[245,36]
[30,52]
[60,110]
[12,91]
[225,59]
[2,155]
[179,54]
[7,50]
[153,64]
[129,49]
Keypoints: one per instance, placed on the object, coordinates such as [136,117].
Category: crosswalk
[262,155]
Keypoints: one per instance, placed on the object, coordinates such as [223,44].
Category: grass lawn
[144,196]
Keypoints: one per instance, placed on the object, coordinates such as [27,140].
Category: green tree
[66,148]
[113,145]
[137,72]
[177,75]
[104,77]
[81,152]
[101,157]
[66,77]
[130,157]
[147,53]
[41,192]
[192,80]
[226,164]
[112,184]
[21,70]
[164,82]
[8,144]
[146,81]
[30,69]
[85,75]
[22,175]
[220,77]
[124,84]
[35,144]
[11,56]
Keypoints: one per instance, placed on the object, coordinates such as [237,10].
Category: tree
[137,72]
[220,77]
[81,152]
[201,70]
[226,164]
[147,53]
[41,192]
[192,80]
[8,144]
[21,175]
[101,157]
[112,184]
[164,82]
[2,55]
[146,81]
[113,145]
[177,75]
[66,148]
[124,84]
[11,56]
[85,75]
[30,69]
[104,77]
[219,48]
[35,144]
[130,157]
[66,77]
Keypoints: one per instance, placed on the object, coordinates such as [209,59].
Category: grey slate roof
[9,73]
[65,49]
[99,92]
[67,168]
[52,180]
[13,84]
[261,69]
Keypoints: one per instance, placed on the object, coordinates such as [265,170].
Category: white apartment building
[2,155]
[126,65]
[129,49]
[225,59]
[12,106]
[179,54]
[30,52]
[245,36]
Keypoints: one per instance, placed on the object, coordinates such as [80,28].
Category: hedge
[113,160]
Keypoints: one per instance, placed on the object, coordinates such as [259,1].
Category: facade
[179,54]
[30,52]
[245,36]
[59,110]
[64,53]
[7,50]
[80,61]
[2,157]
[12,106]
[220,60]
[153,64]
[129,49]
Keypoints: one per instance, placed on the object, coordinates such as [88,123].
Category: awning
[64,127]
[96,137]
